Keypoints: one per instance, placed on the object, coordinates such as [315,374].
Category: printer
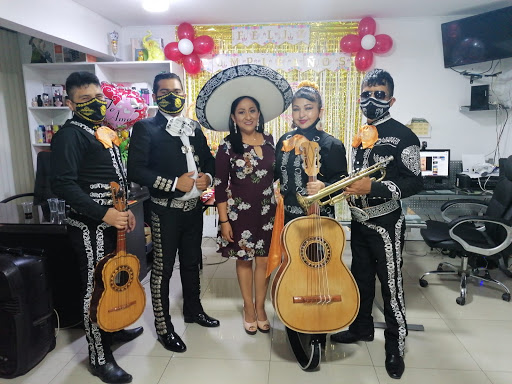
[477,181]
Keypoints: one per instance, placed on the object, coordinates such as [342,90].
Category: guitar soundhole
[315,252]
[121,278]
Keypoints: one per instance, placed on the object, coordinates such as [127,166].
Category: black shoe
[172,342]
[347,337]
[126,335]
[395,366]
[111,373]
[203,320]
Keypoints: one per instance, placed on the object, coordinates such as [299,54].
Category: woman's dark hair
[235,138]
[379,77]
[162,76]
[308,93]
[79,80]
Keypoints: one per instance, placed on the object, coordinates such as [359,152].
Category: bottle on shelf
[39,134]
[46,100]
[48,134]
[145,95]
[39,101]
[34,102]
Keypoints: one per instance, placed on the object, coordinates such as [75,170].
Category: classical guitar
[118,298]
[313,291]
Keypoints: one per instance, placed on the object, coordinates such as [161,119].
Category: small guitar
[118,298]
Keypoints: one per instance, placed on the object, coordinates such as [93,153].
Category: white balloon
[185,46]
[368,42]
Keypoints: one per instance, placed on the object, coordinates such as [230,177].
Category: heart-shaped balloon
[124,106]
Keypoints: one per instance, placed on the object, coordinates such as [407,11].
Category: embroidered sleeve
[408,181]
[139,157]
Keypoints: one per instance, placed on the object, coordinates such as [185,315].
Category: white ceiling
[130,12]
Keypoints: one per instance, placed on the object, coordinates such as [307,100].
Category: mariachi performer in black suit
[84,161]
[378,224]
[169,154]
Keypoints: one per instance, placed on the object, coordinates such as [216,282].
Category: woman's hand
[313,187]
[226,232]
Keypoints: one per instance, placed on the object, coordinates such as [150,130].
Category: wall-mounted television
[479,38]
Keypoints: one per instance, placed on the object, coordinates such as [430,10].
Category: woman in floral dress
[246,204]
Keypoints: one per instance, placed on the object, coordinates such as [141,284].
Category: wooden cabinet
[37,75]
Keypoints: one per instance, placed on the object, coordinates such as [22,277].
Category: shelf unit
[492,107]
[36,75]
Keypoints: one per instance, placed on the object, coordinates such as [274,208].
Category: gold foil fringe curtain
[339,90]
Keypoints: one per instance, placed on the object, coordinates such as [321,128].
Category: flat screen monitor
[435,163]
[479,38]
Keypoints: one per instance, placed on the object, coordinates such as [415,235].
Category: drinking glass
[61,211]
[27,209]
[52,203]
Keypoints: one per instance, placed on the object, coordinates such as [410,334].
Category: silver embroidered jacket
[403,174]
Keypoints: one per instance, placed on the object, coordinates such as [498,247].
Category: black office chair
[475,237]
[42,189]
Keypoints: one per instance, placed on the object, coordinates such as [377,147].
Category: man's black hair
[162,76]
[78,80]
[379,77]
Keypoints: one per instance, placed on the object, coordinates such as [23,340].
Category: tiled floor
[460,345]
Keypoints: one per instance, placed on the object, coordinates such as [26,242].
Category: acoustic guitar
[313,291]
[118,298]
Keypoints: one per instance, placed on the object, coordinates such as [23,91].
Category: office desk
[426,205]
[38,234]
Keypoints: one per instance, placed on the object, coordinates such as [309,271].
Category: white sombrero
[213,104]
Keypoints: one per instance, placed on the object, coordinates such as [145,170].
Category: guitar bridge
[316,299]
[115,309]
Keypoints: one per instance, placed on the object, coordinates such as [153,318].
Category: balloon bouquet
[366,43]
[189,48]
[124,108]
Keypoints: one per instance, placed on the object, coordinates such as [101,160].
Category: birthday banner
[273,34]
[286,62]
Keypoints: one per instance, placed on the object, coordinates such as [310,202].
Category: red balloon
[383,44]
[172,52]
[192,63]
[203,44]
[367,26]
[363,60]
[186,31]
[350,43]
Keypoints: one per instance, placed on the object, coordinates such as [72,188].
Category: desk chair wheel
[424,283]
[506,296]
[461,300]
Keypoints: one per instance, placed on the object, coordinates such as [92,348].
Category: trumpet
[306,201]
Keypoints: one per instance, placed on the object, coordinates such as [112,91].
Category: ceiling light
[156,5]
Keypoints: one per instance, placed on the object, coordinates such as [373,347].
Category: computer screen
[435,163]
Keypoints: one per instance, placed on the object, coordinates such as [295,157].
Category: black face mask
[171,103]
[93,110]
[373,108]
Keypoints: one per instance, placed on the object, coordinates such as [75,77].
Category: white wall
[424,88]
[61,22]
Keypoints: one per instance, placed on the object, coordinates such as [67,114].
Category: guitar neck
[121,242]
[313,209]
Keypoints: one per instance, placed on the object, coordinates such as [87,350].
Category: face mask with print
[93,110]
[373,108]
[171,103]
